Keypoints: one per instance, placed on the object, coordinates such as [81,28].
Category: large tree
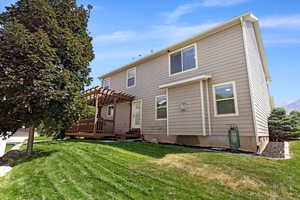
[45,51]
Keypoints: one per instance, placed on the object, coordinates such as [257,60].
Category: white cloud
[188,8]
[121,54]
[176,33]
[128,41]
[281,21]
[210,3]
[166,33]
[118,36]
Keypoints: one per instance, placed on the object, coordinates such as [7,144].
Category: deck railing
[88,126]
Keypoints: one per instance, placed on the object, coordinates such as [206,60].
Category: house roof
[211,31]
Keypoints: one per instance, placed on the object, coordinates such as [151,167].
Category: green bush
[283,126]
[57,129]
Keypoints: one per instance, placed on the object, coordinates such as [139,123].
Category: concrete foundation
[247,143]
[277,150]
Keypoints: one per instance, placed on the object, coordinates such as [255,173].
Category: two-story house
[194,91]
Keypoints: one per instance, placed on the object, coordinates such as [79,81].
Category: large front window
[183,60]
[225,99]
[161,107]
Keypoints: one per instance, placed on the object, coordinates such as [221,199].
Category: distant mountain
[293,106]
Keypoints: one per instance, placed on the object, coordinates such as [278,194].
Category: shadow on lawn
[29,158]
[146,149]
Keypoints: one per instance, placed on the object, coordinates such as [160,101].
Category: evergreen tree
[282,127]
[45,51]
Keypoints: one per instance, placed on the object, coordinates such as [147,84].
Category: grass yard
[42,138]
[127,170]
[9,147]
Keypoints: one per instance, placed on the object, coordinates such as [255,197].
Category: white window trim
[112,114]
[107,79]
[202,108]
[234,98]
[167,94]
[196,59]
[134,69]
[141,120]
[156,97]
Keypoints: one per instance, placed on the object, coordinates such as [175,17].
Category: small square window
[110,111]
[106,83]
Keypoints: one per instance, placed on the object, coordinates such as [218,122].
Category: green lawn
[127,170]
[9,147]
[42,138]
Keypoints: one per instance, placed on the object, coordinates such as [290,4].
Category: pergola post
[96,113]
[114,114]
[130,114]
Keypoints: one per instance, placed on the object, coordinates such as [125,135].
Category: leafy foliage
[283,127]
[45,51]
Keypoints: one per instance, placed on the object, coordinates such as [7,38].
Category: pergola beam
[106,96]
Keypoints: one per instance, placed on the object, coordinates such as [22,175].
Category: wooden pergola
[97,127]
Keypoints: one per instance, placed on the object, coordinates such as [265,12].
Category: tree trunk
[30,140]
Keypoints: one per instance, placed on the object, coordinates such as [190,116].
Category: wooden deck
[96,127]
[91,135]
[116,136]
[101,129]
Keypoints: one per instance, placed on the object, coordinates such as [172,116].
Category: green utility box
[234,137]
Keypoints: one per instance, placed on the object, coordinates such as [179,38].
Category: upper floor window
[106,83]
[161,107]
[183,60]
[225,99]
[131,77]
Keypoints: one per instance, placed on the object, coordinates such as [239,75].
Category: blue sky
[124,30]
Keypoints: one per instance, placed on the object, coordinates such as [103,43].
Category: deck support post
[114,115]
[96,113]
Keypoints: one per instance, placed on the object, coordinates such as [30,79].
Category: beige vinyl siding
[258,83]
[188,122]
[221,55]
[122,117]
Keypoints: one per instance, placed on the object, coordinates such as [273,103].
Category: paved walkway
[16,140]
[5,169]
[2,146]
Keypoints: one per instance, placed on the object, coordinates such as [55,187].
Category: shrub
[283,127]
